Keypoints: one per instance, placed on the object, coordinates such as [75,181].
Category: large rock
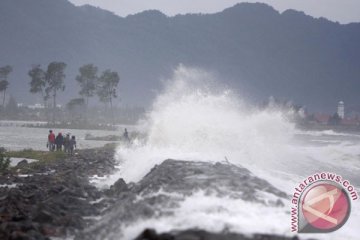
[223,179]
[153,195]
[195,234]
[22,163]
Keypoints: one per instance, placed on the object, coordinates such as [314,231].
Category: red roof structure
[321,118]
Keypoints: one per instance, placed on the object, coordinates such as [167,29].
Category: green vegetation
[4,84]
[54,80]
[87,80]
[37,84]
[108,83]
[38,155]
[45,160]
[4,160]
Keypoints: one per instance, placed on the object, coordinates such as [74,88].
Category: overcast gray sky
[343,11]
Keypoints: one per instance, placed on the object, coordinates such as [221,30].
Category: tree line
[49,82]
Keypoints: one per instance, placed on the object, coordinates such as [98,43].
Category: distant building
[36,106]
[322,118]
[350,122]
[341,110]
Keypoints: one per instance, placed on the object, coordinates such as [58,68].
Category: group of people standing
[61,143]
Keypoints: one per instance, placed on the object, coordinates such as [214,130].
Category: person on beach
[72,145]
[126,136]
[59,141]
[51,141]
[67,143]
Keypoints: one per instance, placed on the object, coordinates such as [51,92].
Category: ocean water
[195,119]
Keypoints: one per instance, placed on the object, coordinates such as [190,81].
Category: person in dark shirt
[126,136]
[67,143]
[72,145]
[59,141]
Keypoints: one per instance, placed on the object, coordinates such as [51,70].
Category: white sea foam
[13,185]
[327,133]
[14,161]
[192,121]
[216,214]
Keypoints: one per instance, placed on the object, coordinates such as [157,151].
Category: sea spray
[195,119]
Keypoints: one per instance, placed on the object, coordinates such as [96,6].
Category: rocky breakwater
[160,193]
[54,198]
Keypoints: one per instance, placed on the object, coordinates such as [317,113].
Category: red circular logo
[326,207]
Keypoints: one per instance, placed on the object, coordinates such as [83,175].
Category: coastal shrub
[4,160]
[37,155]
